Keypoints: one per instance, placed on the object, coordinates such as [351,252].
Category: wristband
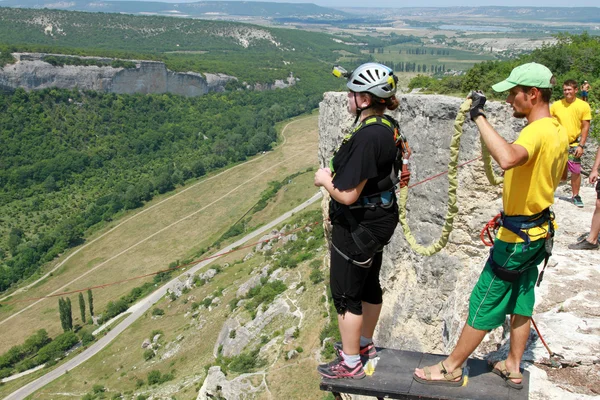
[581,145]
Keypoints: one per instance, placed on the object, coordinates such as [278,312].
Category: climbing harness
[363,238]
[517,224]
[399,173]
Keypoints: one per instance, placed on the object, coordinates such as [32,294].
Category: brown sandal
[449,377]
[502,371]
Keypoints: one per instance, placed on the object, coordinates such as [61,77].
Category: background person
[363,160]
[575,115]
[585,88]
[591,241]
[533,165]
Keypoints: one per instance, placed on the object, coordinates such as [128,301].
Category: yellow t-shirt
[529,188]
[570,116]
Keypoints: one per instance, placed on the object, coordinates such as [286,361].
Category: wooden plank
[393,380]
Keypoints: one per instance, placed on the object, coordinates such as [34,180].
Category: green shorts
[492,298]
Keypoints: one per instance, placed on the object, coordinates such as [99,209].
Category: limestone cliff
[30,72]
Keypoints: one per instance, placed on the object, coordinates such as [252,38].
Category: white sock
[351,360]
[365,341]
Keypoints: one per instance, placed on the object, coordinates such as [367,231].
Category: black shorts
[598,189]
[351,284]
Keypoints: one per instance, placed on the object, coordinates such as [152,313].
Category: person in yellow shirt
[534,164]
[575,115]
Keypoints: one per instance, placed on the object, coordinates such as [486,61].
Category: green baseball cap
[530,74]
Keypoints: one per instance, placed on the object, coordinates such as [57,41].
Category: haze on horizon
[416,3]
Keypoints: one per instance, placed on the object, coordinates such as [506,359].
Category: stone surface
[246,286]
[250,332]
[216,386]
[208,275]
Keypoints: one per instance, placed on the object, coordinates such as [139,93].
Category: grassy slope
[175,229]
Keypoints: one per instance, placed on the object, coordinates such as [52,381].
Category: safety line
[102,286]
[444,173]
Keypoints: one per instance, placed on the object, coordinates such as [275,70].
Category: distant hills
[202,9]
[558,14]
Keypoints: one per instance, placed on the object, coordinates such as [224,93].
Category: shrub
[149,354]
[98,389]
[316,276]
[158,311]
[86,338]
[207,302]
[198,282]
[246,362]
[155,377]
[57,347]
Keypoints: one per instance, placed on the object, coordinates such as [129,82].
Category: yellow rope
[487,165]
[452,186]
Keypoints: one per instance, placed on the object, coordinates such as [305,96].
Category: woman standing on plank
[364,214]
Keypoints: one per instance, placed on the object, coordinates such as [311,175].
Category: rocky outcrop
[425,298]
[30,72]
[216,386]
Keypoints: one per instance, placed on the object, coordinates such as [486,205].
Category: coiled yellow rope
[452,186]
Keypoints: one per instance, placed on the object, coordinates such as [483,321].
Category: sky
[431,3]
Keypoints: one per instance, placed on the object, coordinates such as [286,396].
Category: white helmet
[373,78]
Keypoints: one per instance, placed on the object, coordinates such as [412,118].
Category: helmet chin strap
[359,110]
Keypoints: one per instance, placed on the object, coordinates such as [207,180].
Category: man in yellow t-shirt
[534,164]
[575,115]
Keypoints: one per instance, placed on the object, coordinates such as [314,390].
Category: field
[454,59]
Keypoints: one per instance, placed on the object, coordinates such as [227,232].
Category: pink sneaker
[367,352]
[339,369]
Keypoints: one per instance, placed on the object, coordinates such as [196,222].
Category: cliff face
[426,298]
[30,72]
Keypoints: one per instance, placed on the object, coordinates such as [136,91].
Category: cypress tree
[61,311]
[69,314]
[90,302]
[82,307]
